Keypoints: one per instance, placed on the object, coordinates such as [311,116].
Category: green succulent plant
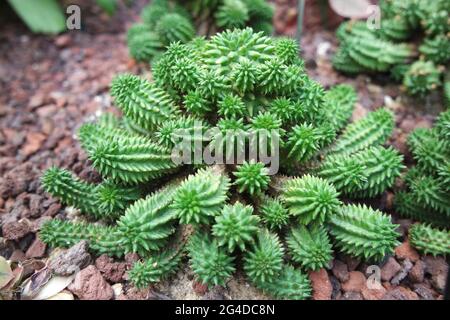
[252,177]
[422,77]
[371,50]
[427,183]
[236,226]
[311,248]
[155,268]
[273,213]
[101,201]
[215,93]
[363,232]
[430,240]
[310,199]
[210,262]
[264,262]
[290,284]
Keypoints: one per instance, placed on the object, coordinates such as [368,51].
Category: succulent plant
[201,197]
[422,77]
[252,177]
[220,92]
[290,284]
[310,199]
[310,247]
[430,240]
[155,268]
[102,201]
[273,213]
[264,262]
[363,232]
[211,263]
[426,196]
[236,226]
[364,49]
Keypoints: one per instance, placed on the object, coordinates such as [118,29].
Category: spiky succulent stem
[236,226]
[430,240]
[290,284]
[273,213]
[363,232]
[372,130]
[210,262]
[155,268]
[364,174]
[252,177]
[101,201]
[310,199]
[310,247]
[264,261]
[201,197]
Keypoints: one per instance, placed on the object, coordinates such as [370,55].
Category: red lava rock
[90,285]
[131,258]
[33,143]
[417,273]
[405,251]
[137,294]
[352,263]
[17,256]
[199,288]
[373,294]
[355,283]
[71,260]
[37,249]
[438,268]
[424,292]
[400,293]
[321,284]
[390,269]
[2,203]
[340,270]
[15,230]
[359,112]
[62,41]
[112,271]
[52,210]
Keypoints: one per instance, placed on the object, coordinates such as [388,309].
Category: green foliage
[311,248]
[364,174]
[340,102]
[141,101]
[102,201]
[421,78]
[231,106]
[252,177]
[430,240]
[147,224]
[364,49]
[436,49]
[173,27]
[210,262]
[310,199]
[232,14]
[155,268]
[304,141]
[372,130]
[363,232]
[290,284]
[41,16]
[264,262]
[102,240]
[273,213]
[235,226]
[201,197]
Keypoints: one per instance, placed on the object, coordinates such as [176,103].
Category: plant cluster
[166,21]
[426,198]
[365,48]
[240,82]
